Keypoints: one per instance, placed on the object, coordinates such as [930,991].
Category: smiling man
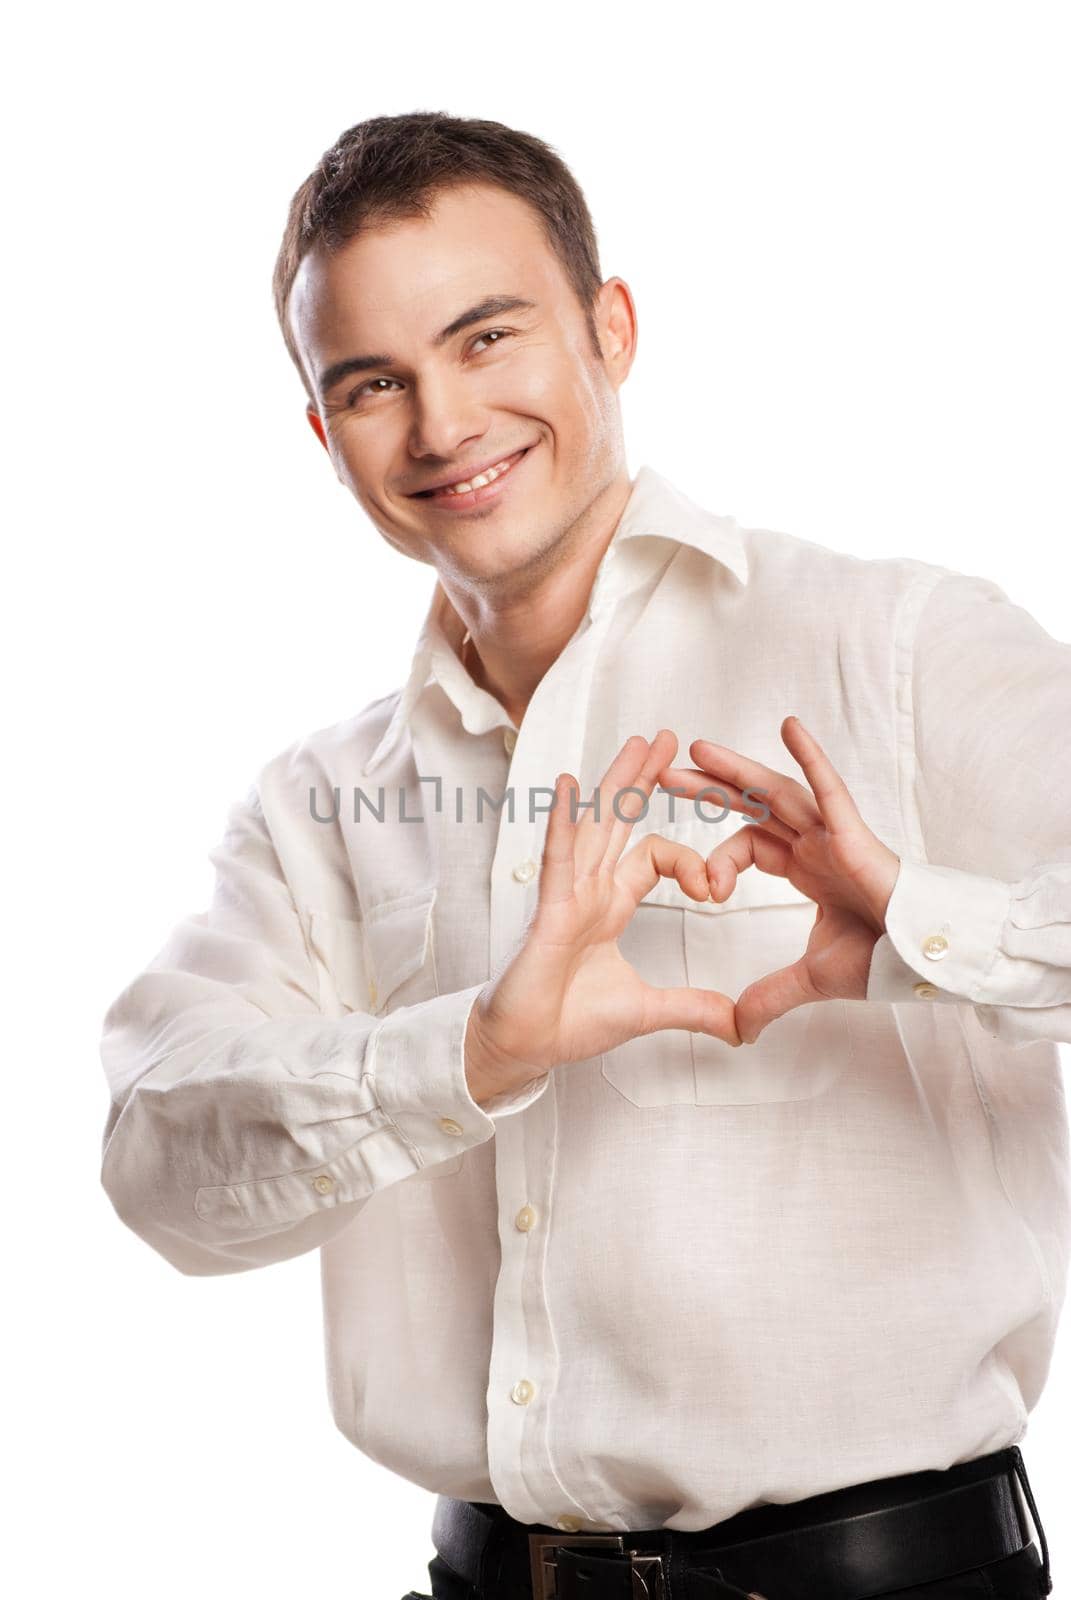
[688,1163]
[461,393]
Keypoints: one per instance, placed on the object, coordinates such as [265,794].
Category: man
[685,1239]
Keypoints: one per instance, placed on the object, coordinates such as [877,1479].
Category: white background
[846,230]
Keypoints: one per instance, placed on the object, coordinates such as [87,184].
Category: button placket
[523,1356]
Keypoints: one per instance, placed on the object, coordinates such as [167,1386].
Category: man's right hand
[569,994]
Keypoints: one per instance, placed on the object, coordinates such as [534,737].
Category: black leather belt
[849,1544]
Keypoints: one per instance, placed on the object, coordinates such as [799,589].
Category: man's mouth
[479,480]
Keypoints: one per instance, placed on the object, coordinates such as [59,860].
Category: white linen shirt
[678,1280]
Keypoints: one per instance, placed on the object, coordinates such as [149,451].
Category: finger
[632,805]
[656,857]
[789,800]
[839,811]
[698,1010]
[773,996]
[691,782]
[595,821]
[749,846]
[557,869]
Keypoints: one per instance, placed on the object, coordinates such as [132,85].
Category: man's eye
[370,386]
[493,333]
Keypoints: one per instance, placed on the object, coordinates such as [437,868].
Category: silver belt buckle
[648,1580]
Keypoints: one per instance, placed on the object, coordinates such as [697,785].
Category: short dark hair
[392,168]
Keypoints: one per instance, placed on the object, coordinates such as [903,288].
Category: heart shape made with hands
[814,836]
[569,993]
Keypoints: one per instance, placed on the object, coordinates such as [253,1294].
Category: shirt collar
[654,509]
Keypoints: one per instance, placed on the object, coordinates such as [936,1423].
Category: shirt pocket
[380,962]
[673,941]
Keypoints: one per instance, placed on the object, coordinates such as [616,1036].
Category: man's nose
[445,416]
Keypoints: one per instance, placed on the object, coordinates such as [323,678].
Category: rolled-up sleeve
[985,918]
[245,1125]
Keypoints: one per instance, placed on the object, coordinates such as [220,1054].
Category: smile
[466,492]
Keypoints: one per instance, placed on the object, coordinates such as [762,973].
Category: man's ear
[615,313]
[316,424]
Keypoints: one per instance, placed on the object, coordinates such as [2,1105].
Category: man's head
[438,288]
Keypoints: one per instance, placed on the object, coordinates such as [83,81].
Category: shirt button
[509,739]
[569,1524]
[935,946]
[448,1125]
[925,991]
[323,1184]
[525,1218]
[525,871]
[522,1392]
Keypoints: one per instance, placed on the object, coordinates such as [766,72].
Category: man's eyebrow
[494,305]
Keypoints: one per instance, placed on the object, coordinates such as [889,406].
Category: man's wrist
[486,1072]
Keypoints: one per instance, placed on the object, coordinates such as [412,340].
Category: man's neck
[516,636]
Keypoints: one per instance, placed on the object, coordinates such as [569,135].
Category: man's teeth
[478,481]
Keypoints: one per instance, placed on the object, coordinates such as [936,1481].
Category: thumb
[771,997]
[697,1010]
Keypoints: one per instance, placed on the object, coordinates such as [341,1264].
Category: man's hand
[820,843]
[569,993]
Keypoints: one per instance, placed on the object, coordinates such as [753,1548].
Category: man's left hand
[817,840]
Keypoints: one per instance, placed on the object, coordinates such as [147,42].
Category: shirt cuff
[418,1068]
[942,934]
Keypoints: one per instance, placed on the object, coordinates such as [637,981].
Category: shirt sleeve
[245,1125]
[986,918]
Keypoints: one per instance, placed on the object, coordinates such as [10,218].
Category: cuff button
[448,1125]
[925,991]
[935,947]
[323,1184]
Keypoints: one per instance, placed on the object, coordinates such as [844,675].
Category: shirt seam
[905,652]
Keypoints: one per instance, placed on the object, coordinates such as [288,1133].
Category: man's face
[517,385]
